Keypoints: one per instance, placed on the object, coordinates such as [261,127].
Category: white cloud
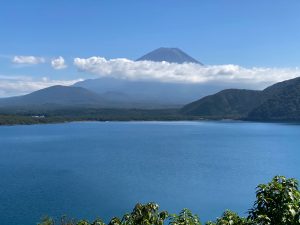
[31,60]
[58,63]
[188,72]
[19,85]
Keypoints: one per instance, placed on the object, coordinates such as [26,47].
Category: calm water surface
[92,169]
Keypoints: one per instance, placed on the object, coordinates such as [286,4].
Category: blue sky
[256,33]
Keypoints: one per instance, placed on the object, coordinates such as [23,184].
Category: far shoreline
[148,121]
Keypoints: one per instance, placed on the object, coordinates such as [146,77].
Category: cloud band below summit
[186,72]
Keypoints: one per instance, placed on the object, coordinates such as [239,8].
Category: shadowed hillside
[279,102]
[230,103]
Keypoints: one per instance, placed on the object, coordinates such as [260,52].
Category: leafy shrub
[277,202]
[185,217]
[147,214]
[229,218]
[46,221]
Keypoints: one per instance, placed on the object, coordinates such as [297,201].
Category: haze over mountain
[171,55]
[151,93]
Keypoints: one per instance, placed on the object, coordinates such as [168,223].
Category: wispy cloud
[58,63]
[29,60]
[18,85]
[188,72]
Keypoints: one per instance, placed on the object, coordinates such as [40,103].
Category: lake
[101,169]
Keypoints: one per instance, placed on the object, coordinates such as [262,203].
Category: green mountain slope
[230,103]
[282,104]
[279,102]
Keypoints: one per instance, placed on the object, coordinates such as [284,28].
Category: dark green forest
[277,203]
[38,116]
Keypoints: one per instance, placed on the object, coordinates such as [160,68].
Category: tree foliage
[46,221]
[185,217]
[277,202]
[229,218]
[147,214]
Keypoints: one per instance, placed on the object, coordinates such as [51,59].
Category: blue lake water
[98,169]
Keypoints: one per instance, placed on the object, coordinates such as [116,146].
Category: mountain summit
[171,55]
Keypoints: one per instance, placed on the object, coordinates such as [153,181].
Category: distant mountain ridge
[229,103]
[279,102]
[55,95]
[171,55]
